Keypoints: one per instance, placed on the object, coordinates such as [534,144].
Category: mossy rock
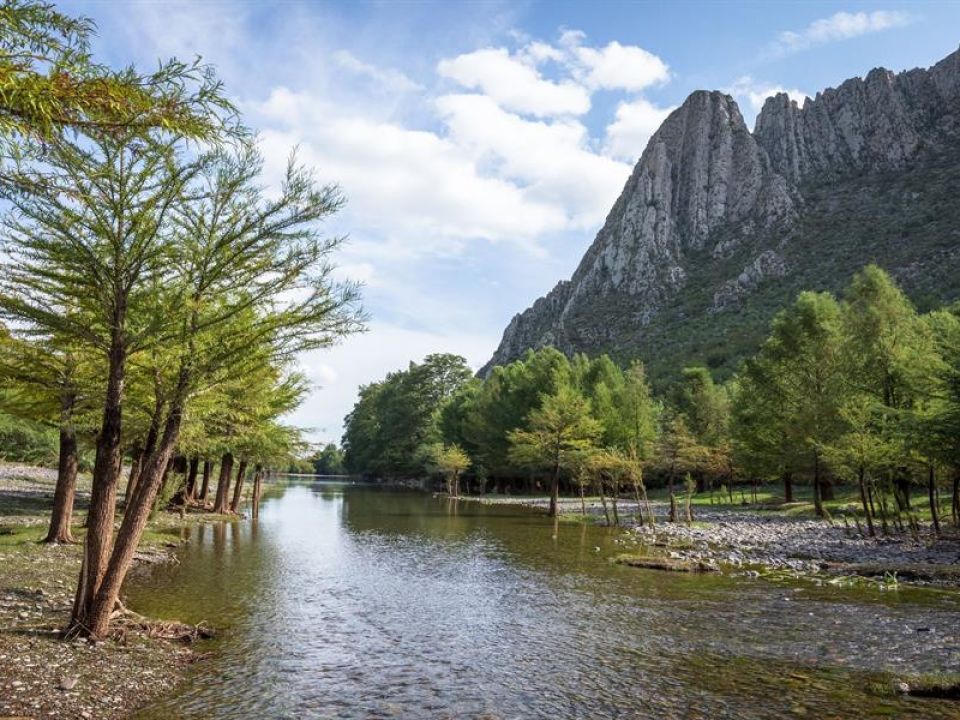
[657,562]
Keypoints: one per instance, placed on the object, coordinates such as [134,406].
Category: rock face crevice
[713,214]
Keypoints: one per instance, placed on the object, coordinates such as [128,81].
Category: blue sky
[480,145]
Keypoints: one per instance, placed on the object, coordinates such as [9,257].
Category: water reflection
[356,602]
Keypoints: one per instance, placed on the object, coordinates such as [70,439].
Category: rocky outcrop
[712,212]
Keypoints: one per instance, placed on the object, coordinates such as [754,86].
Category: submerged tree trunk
[223,484]
[257,480]
[205,486]
[63,495]
[603,501]
[238,488]
[554,489]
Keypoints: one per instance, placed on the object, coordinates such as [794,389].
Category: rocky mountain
[719,226]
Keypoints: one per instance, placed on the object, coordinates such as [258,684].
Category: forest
[860,390]
[155,295]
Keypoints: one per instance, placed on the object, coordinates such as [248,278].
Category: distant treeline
[862,389]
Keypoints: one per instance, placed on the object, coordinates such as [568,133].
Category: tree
[799,368]
[886,349]
[705,408]
[254,285]
[149,248]
[863,451]
[449,461]
[678,452]
[505,400]
[52,385]
[762,443]
[941,424]
[553,435]
[328,461]
[49,84]
[398,416]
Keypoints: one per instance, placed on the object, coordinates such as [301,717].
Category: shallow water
[349,601]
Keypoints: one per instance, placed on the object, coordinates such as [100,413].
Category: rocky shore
[42,676]
[750,541]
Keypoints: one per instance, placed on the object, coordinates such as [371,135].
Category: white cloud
[634,124]
[389,79]
[552,161]
[620,67]
[401,181]
[839,26]
[516,84]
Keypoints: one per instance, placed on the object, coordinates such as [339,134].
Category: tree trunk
[238,488]
[205,486]
[136,462]
[636,497]
[788,487]
[554,489]
[103,496]
[603,501]
[223,484]
[902,484]
[257,480]
[955,501]
[191,489]
[866,505]
[817,498]
[932,492]
[97,620]
[826,488]
[63,495]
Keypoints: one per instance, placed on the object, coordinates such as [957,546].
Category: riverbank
[42,676]
[777,541]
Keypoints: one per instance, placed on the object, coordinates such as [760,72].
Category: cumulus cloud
[839,26]
[635,122]
[514,81]
[619,67]
[400,180]
[552,161]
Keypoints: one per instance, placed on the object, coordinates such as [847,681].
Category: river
[351,601]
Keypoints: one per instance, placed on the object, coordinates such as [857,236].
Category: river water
[350,601]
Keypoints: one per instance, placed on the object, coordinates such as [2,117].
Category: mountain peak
[713,214]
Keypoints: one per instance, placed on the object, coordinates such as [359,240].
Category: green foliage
[49,84]
[328,461]
[555,433]
[29,442]
[398,416]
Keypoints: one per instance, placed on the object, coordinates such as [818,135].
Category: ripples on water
[356,602]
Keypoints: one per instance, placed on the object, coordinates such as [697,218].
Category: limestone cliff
[717,226]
